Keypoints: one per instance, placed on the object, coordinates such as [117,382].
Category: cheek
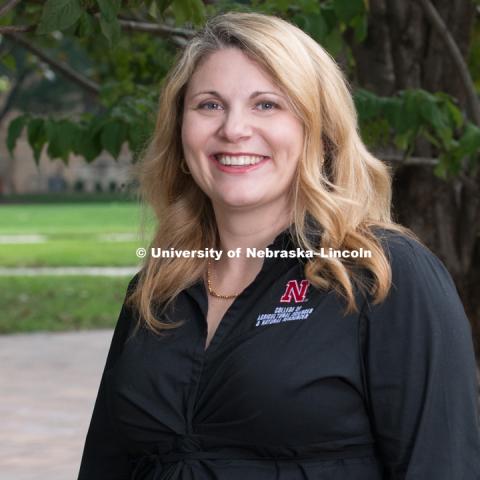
[193,134]
[287,137]
[186,135]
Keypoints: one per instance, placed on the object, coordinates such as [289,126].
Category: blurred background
[79,83]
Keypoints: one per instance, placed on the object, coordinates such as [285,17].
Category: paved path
[49,382]
[91,271]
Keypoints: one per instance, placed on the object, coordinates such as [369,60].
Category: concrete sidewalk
[62,271]
[49,382]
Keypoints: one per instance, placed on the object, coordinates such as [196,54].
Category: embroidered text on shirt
[283,314]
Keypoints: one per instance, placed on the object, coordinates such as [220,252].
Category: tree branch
[457,58]
[7,6]
[59,66]
[14,91]
[180,41]
[401,160]
[155,28]
[179,36]
[12,29]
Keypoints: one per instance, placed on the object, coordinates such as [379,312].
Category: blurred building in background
[21,175]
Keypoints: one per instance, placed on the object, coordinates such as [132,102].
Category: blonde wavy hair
[339,193]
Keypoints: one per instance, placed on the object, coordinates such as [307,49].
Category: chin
[239,201]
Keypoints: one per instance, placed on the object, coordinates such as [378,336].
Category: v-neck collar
[283,241]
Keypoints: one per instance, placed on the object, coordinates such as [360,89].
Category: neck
[255,228]
[241,229]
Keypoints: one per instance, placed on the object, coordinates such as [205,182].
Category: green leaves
[314,24]
[108,19]
[59,15]
[162,5]
[113,136]
[131,121]
[347,10]
[188,11]
[417,113]
[14,131]
[465,151]
[85,26]
[326,21]
[470,140]
[9,62]
[37,136]
[130,67]
[61,136]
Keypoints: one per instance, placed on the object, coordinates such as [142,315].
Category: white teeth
[240,160]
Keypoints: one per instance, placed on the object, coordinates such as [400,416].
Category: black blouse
[290,388]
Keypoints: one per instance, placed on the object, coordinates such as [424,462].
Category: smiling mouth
[239,160]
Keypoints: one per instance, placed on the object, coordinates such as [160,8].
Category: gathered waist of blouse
[165,464]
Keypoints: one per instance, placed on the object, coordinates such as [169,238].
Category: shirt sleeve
[420,372]
[104,455]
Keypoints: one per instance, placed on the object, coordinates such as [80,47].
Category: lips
[240,154]
[239,162]
[239,159]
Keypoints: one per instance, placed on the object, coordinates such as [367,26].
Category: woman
[230,365]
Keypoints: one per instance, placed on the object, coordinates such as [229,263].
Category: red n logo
[294,291]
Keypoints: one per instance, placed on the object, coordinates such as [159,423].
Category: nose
[236,125]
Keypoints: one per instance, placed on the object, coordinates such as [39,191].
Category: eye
[206,105]
[270,105]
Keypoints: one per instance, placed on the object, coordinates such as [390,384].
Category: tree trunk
[402,50]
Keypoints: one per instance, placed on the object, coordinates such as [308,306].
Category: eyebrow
[253,95]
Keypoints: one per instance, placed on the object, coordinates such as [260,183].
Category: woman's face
[241,140]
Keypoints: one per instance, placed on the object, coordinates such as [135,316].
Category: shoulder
[397,243]
[409,259]
[125,325]
[127,305]
[128,313]
[422,314]
[420,280]
[133,282]
[423,301]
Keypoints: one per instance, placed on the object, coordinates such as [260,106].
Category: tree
[408,46]
[415,83]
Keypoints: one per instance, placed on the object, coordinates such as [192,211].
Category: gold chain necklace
[211,291]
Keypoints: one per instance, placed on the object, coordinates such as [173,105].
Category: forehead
[230,71]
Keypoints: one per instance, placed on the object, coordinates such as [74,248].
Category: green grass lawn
[50,303]
[124,195]
[88,218]
[75,252]
[75,234]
